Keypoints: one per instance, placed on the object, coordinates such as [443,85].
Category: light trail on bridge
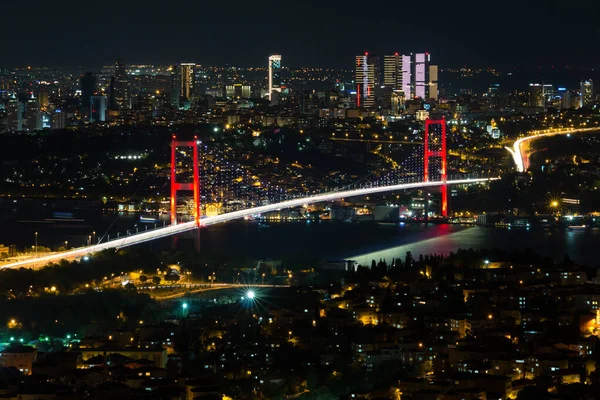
[189,226]
[521,160]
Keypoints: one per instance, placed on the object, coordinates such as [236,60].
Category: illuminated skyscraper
[586,96]
[14,114]
[98,104]
[120,98]
[420,75]
[274,75]
[392,71]
[366,78]
[407,77]
[433,82]
[175,86]
[186,76]
[34,118]
[536,95]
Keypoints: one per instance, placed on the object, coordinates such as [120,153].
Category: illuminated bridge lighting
[188,226]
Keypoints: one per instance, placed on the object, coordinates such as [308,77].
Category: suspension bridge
[432,174]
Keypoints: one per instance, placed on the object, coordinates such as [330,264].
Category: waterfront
[332,241]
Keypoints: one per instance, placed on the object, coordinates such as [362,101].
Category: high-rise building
[186,76]
[175,86]
[586,96]
[274,75]
[433,82]
[392,71]
[120,98]
[98,105]
[366,79]
[238,91]
[14,114]
[420,75]
[536,95]
[88,85]
[59,119]
[407,77]
[34,117]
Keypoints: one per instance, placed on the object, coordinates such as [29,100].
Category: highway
[187,290]
[519,153]
[188,226]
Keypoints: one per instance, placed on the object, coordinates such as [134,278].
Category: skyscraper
[407,77]
[34,118]
[14,120]
[98,107]
[366,78]
[586,97]
[175,86]
[536,95]
[392,71]
[120,98]
[186,76]
[420,75]
[433,82]
[274,75]
[87,83]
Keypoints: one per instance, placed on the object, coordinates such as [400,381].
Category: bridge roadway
[519,153]
[188,226]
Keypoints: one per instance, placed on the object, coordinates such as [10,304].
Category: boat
[148,219]
[576,227]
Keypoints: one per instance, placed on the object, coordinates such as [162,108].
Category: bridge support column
[440,151]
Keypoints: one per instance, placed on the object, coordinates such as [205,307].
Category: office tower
[392,71]
[238,91]
[44,98]
[536,95]
[407,77]
[59,119]
[87,84]
[120,98]
[549,92]
[433,82]
[420,75]
[186,76]
[366,78]
[34,118]
[14,114]
[274,75]
[586,96]
[98,107]
[175,86]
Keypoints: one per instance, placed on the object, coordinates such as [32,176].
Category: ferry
[577,227]
[148,219]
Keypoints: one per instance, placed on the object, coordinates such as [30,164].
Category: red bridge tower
[437,152]
[176,186]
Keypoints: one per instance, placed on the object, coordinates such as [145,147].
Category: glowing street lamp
[251,294]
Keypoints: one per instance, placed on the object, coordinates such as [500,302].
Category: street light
[66,244]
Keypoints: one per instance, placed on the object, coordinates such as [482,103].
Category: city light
[184,306]
[250,294]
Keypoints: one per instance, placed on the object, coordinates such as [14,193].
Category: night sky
[314,33]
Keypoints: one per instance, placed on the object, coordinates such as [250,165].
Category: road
[206,288]
[520,152]
[188,226]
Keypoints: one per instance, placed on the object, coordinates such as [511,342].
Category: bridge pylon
[194,186]
[438,151]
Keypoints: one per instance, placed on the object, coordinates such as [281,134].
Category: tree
[143,278]
[156,280]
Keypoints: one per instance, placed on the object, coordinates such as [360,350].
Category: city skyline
[311,35]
